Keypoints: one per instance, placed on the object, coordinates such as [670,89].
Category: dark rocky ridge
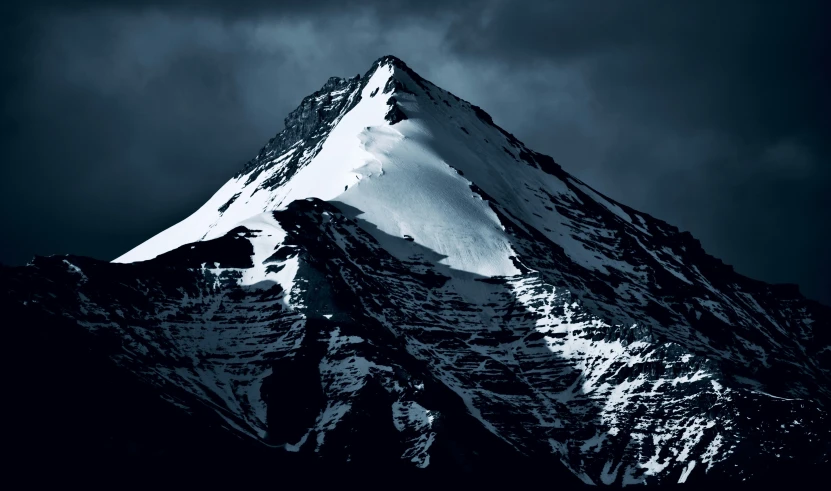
[309,124]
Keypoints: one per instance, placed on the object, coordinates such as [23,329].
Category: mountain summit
[395,282]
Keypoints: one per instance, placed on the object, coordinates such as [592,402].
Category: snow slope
[397,181]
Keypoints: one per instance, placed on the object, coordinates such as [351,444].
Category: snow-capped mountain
[396,281]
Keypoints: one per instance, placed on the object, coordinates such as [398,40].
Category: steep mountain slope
[395,281]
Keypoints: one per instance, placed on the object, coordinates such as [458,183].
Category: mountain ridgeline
[395,286]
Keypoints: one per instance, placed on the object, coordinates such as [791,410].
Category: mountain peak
[396,63]
[338,144]
[391,60]
[394,264]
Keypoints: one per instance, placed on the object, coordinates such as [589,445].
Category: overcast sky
[121,118]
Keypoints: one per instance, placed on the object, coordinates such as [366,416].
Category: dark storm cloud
[389,10]
[120,118]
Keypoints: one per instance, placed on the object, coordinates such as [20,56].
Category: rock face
[395,283]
